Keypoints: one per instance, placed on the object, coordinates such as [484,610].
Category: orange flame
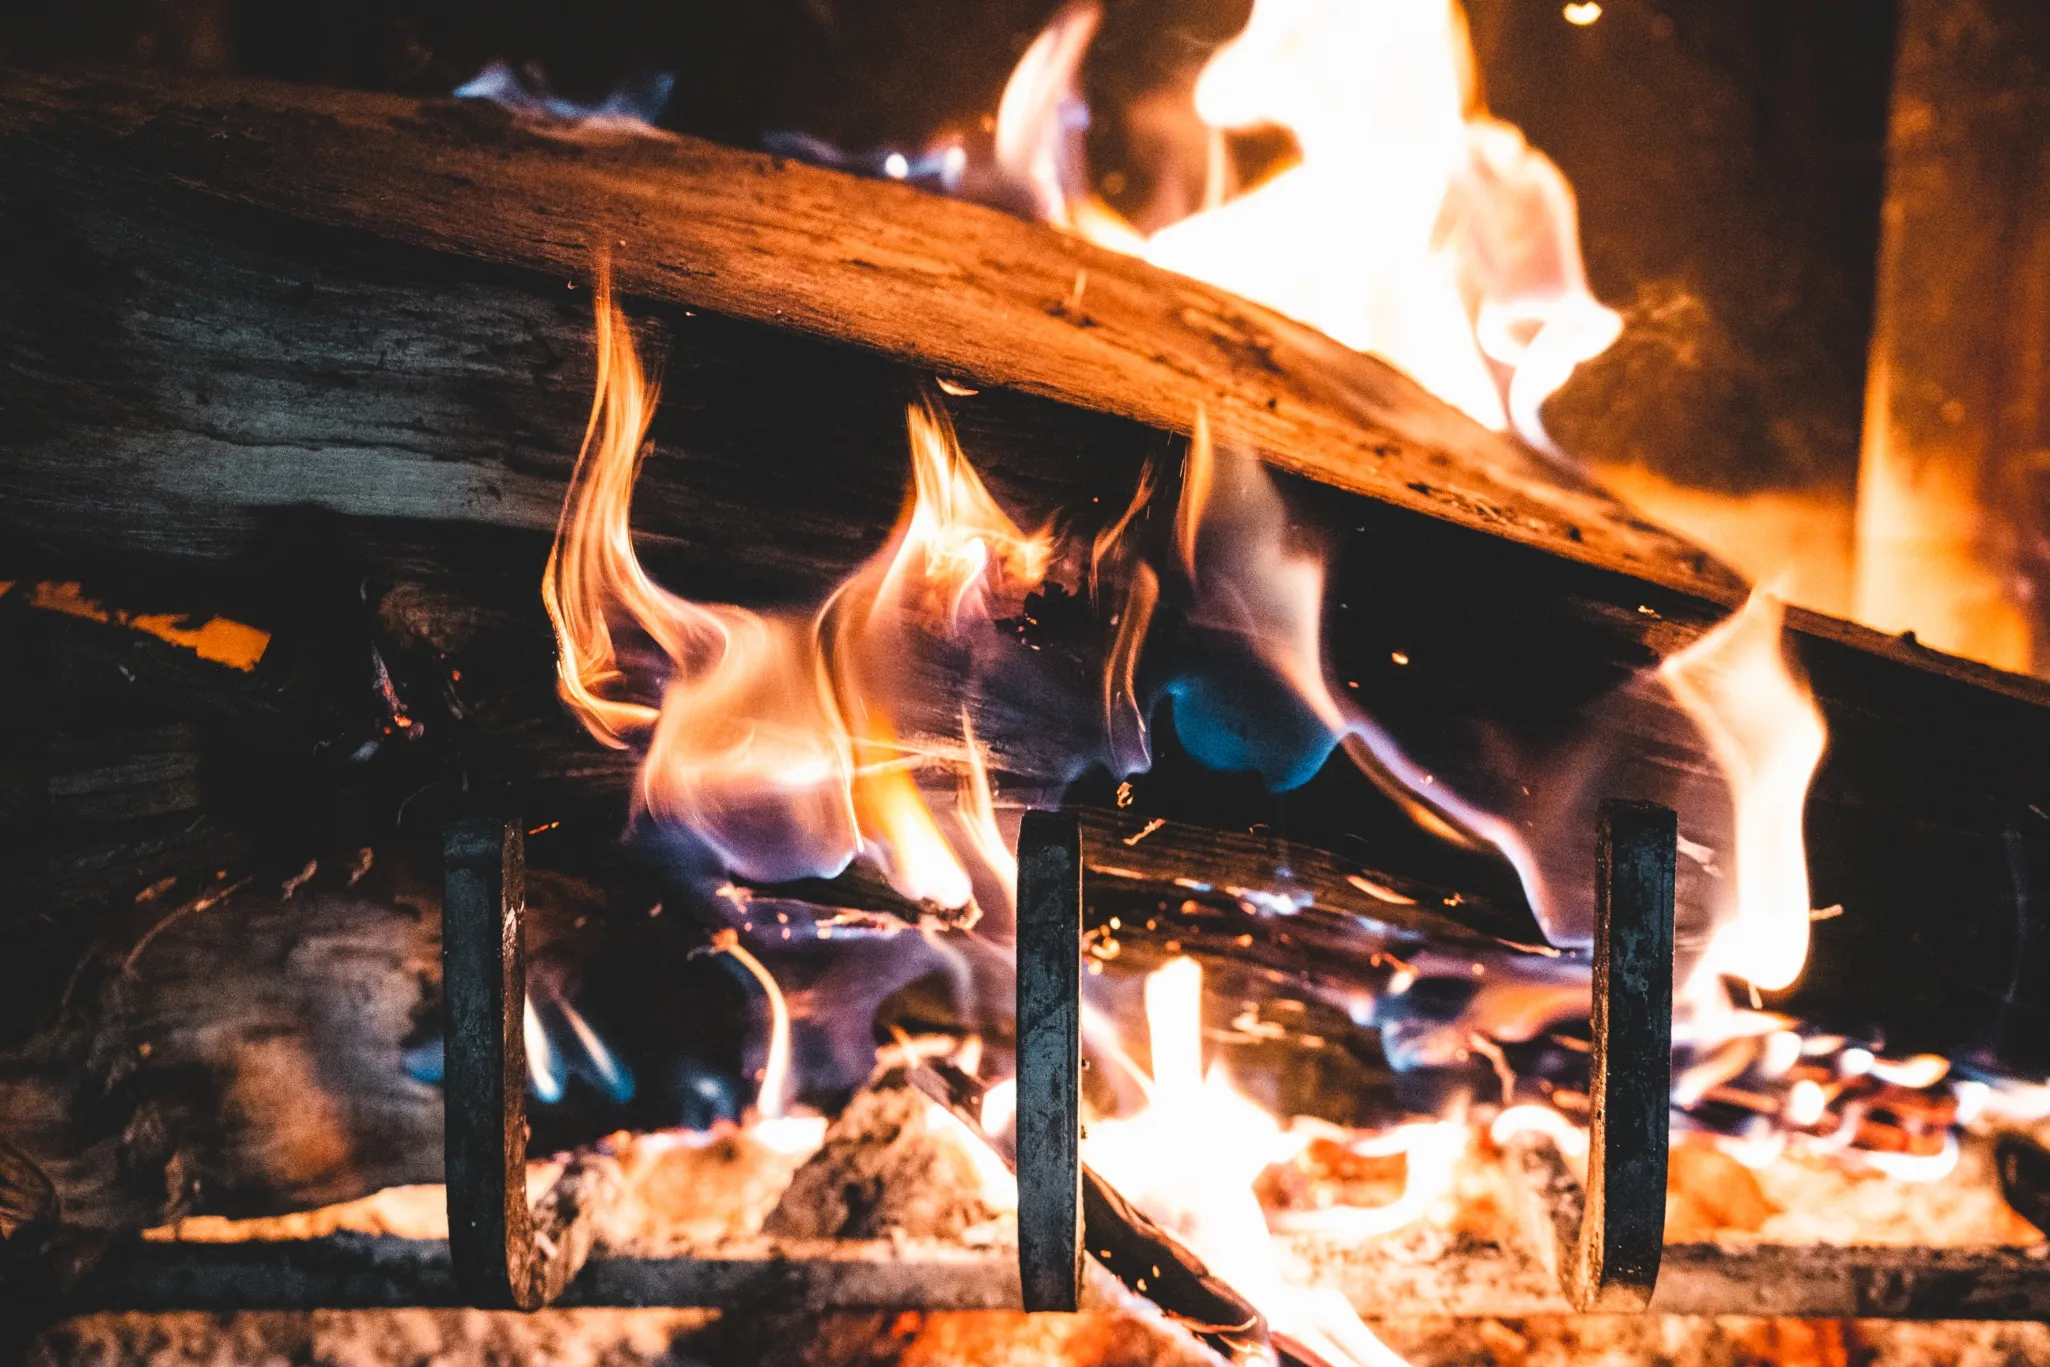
[774,742]
[1415,225]
[773,1097]
[1767,736]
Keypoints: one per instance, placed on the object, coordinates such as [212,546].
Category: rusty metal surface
[503,1256]
[1050,1061]
[1610,1236]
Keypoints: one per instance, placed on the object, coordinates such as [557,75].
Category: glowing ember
[1767,736]
[218,639]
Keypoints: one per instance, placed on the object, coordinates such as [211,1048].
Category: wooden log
[942,285]
[421,394]
[241,384]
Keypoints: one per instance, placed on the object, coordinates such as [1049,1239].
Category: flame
[1189,1160]
[613,1076]
[1414,225]
[773,1098]
[773,743]
[1767,736]
[545,1077]
[1197,475]
[1246,589]
[1041,115]
[975,805]
[1431,1152]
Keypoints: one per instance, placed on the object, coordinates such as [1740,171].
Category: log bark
[940,285]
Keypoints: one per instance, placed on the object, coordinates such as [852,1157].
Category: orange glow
[1583,14]
[1415,225]
[1797,540]
[1930,552]
[1767,736]
[218,639]
[774,740]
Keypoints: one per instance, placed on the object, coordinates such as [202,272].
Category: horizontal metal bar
[363,1272]
[1379,1277]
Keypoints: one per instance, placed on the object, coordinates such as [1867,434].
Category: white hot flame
[1415,225]
[1767,736]
[1189,1160]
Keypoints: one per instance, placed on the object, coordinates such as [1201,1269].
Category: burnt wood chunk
[1049,1116]
[1615,1262]
[505,1255]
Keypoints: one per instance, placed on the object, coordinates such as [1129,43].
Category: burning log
[415,394]
[942,286]
[275,298]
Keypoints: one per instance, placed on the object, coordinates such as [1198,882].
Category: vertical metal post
[499,1262]
[1049,1111]
[1615,1260]
[2024,1167]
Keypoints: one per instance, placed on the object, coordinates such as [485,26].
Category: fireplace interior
[870,684]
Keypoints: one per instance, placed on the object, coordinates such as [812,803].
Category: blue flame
[639,101]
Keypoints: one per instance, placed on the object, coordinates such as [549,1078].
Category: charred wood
[319,362]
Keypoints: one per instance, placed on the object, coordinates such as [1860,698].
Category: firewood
[948,287]
[318,362]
